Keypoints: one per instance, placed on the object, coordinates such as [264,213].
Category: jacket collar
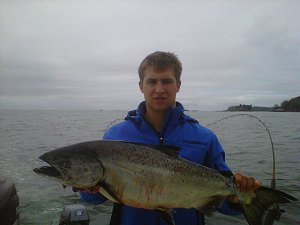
[173,114]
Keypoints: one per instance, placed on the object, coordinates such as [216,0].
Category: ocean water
[25,135]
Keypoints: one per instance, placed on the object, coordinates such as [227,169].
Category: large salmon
[152,177]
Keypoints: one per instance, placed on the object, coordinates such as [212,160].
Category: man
[161,120]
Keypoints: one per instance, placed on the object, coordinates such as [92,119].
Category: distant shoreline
[292,105]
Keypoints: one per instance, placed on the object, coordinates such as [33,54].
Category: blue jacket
[197,143]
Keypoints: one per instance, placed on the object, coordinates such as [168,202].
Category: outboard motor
[74,214]
[9,202]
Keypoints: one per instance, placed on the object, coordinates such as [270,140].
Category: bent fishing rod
[275,212]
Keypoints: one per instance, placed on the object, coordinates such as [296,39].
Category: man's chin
[160,107]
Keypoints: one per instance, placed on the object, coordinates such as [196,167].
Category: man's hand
[93,189]
[245,184]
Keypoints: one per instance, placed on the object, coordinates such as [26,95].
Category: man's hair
[161,61]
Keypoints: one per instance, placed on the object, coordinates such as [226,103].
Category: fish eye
[66,164]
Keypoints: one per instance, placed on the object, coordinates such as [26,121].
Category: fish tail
[264,199]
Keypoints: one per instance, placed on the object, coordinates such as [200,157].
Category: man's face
[159,89]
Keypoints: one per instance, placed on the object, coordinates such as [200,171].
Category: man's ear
[178,85]
[141,86]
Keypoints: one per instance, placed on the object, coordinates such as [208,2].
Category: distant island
[248,108]
[292,105]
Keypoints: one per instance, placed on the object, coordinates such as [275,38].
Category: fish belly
[153,188]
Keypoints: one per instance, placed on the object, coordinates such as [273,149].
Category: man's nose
[159,88]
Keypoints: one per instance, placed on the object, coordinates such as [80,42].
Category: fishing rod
[275,212]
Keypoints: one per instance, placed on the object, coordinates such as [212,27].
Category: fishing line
[112,123]
[273,182]
[275,212]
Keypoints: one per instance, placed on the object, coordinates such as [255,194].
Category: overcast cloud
[85,54]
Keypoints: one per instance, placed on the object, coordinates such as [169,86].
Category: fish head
[75,166]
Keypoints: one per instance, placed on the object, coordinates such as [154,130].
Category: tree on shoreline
[292,105]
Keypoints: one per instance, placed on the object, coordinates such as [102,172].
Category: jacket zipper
[162,134]
[160,138]
[159,134]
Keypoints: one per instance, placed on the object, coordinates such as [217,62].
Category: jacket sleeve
[216,160]
[92,198]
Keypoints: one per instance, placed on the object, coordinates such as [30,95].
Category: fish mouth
[48,171]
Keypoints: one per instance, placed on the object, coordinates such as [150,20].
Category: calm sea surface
[25,135]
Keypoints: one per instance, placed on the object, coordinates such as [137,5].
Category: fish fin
[212,205]
[265,198]
[170,150]
[108,193]
[166,215]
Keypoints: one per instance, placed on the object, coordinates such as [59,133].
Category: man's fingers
[238,179]
[257,184]
[245,183]
[93,189]
[251,184]
[233,198]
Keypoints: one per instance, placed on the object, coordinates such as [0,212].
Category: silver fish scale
[152,179]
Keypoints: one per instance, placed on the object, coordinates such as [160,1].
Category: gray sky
[80,54]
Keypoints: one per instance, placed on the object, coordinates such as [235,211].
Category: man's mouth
[159,98]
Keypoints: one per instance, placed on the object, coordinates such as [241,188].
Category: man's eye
[167,81]
[151,81]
